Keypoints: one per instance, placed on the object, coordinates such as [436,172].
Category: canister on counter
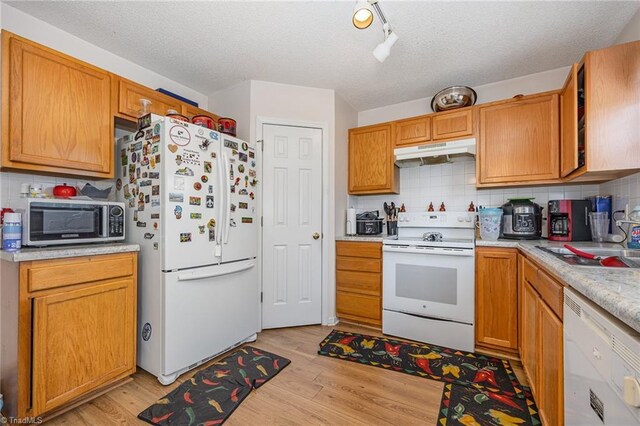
[12,232]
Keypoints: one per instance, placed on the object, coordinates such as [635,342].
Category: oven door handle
[429,250]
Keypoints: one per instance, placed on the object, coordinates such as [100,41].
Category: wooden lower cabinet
[359,282]
[541,340]
[75,336]
[497,298]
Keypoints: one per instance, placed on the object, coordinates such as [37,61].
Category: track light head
[383,50]
[362,15]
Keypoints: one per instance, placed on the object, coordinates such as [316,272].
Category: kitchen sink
[630,257]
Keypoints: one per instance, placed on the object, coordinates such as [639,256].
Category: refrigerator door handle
[195,277]
[227,222]
[222,183]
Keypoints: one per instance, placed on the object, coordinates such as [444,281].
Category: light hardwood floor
[313,389]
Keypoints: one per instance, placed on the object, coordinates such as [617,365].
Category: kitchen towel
[210,396]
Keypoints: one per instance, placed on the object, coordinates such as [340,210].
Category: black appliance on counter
[368,223]
[569,220]
[521,219]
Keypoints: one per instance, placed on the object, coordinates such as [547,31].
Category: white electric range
[428,279]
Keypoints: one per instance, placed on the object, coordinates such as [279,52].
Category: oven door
[63,223]
[429,282]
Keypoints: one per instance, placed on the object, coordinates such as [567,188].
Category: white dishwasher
[601,366]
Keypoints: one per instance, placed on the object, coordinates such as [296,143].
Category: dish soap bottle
[634,229]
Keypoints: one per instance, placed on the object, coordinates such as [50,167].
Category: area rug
[472,407]
[210,396]
[473,370]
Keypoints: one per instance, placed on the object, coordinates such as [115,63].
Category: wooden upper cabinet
[496,298]
[519,141]
[453,124]
[608,79]
[131,95]
[412,131]
[56,112]
[569,124]
[371,162]
[82,339]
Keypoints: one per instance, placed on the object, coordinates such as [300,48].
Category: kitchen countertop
[363,238]
[57,252]
[616,290]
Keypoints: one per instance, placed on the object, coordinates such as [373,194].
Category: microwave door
[64,223]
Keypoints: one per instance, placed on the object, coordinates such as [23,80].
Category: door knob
[316,235]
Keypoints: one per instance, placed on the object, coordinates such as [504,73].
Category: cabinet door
[82,339]
[551,386]
[455,124]
[519,141]
[529,333]
[371,166]
[413,131]
[569,123]
[56,112]
[497,298]
[131,95]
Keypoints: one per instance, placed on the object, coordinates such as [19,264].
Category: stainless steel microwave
[67,221]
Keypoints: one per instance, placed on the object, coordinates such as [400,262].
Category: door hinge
[261,296]
[261,143]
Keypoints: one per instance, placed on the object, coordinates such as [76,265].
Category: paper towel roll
[351,221]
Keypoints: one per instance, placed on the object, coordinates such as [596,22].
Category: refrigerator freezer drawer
[208,310]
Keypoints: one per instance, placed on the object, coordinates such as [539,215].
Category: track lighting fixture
[363,17]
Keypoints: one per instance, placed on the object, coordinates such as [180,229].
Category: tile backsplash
[625,191]
[454,184]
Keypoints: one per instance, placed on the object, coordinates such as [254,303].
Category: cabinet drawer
[358,264]
[551,292]
[530,272]
[359,282]
[356,306]
[48,274]
[356,249]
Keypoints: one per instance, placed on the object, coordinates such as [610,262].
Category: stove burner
[432,236]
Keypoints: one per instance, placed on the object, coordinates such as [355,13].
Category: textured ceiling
[213,45]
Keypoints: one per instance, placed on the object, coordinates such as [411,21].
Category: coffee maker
[568,220]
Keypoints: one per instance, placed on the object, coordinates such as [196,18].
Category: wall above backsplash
[454,184]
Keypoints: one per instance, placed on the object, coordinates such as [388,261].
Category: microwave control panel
[116,221]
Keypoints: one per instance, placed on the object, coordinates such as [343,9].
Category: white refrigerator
[191,199]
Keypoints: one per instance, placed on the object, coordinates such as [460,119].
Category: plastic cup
[599,226]
[489,221]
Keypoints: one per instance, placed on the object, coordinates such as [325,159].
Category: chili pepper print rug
[434,362]
[209,397]
[462,405]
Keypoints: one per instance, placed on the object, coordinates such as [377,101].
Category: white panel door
[292,211]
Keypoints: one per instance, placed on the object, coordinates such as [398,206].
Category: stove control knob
[467,219]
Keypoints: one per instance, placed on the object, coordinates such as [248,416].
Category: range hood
[434,153]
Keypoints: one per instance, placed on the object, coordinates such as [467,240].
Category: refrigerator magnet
[145,161]
[213,155]
[140,206]
[234,152]
[155,139]
[197,186]
[195,215]
[233,189]
[126,193]
[132,202]
[154,175]
[211,224]
[137,172]
[237,182]
[232,223]
[147,199]
[253,163]
[209,201]
[139,135]
[134,157]
[124,158]
[245,146]
[157,158]
[210,189]
[135,216]
[207,166]
[212,234]
[118,184]
[254,182]
[247,220]
[173,148]
[252,195]
[155,149]
[156,129]
[178,159]
[204,178]
[175,197]
[155,215]
[152,162]
[178,183]
[155,202]
[194,201]
[145,175]
[148,235]
[136,146]
[252,154]
[243,157]
[146,182]
[155,225]
[185,237]
[155,190]
[204,145]
[242,205]
[213,135]
[148,134]
[243,192]
[232,207]
[146,148]
[177,212]
[201,229]
[252,173]
[141,224]
[246,181]
[184,171]
[231,144]
[180,135]
[241,168]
